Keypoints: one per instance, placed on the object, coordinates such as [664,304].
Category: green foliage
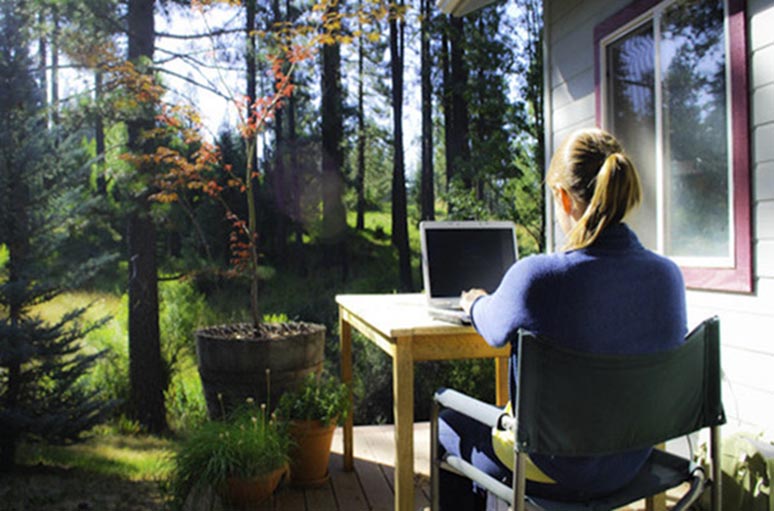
[319,397]
[182,310]
[111,372]
[464,203]
[247,444]
[377,182]
[184,398]
[280,317]
[42,389]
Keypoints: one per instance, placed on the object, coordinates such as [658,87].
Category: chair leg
[519,481]
[434,461]
[656,502]
[717,473]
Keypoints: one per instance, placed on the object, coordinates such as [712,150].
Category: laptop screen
[457,256]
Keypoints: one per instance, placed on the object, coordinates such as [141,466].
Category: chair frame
[704,344]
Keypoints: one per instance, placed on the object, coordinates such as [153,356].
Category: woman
[604,293]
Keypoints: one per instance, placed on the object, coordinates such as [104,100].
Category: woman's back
[612,297]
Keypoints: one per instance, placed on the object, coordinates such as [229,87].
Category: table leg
[501,381]
[345,337]
[403,406]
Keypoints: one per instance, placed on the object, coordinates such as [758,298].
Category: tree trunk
[399,214]
[99,135]
[459,137]
[361,136]
[43,58]
[428,186]
[295,170]
[55,67]
[280,179]
[251,72]
[146,372]
[448,121]
[146,375]
[334,214]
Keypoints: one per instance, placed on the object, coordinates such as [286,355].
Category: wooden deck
[370,486]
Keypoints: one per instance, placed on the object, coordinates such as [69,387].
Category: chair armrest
[483,412]
[698,485]
[501,490]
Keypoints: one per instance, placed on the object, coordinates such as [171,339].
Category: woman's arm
[498,315]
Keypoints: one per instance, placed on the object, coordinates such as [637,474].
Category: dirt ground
[43,488]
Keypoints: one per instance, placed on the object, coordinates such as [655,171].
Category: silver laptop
[457,256]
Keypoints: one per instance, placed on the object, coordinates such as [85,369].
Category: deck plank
[379,494]
[368,465]
[321,498]
[289,499]
[346,486]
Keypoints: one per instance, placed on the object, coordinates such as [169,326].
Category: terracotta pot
[245,494]
[311,453]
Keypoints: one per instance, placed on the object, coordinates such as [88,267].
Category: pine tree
[42,392]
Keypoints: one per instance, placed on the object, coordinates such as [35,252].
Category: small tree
[42,395]
[287,45]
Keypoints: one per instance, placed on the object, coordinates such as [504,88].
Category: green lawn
[108,453]
[110,471]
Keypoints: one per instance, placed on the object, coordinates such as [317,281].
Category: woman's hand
[468,297]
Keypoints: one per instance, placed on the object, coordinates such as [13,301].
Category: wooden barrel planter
[233,362]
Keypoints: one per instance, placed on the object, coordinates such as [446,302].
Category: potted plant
[241,460]
[234,359]
[313,411]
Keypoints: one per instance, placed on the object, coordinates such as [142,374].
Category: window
[671,84]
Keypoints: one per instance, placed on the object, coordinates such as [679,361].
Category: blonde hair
[593,168]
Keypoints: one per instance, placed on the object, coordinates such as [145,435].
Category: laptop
[457,256]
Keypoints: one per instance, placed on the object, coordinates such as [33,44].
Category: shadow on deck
[371,485]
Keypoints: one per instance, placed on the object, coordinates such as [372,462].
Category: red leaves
[194,166]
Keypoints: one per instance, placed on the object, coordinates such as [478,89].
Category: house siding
[747,320]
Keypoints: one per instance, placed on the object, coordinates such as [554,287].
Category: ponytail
[617,191]
[592,167]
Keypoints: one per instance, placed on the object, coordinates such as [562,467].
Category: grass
[130,457]
[98,304]
[110,471]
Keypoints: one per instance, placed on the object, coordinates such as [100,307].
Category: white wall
[747,320]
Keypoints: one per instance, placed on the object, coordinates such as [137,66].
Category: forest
[129,218]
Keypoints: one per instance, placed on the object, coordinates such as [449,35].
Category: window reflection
[693,64]
[694,147]
[631,96]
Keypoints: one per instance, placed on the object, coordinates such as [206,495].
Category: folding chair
[569,403]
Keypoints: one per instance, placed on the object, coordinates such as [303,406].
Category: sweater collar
[617,237]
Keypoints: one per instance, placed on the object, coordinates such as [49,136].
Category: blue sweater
[612,297]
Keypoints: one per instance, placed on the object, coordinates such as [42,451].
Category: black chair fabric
[615,403]
[661,472]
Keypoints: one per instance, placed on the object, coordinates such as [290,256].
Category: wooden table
[399,325]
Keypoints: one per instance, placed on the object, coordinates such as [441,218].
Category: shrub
[247,444]
[322,398]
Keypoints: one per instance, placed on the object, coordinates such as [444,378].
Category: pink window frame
[738,278]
